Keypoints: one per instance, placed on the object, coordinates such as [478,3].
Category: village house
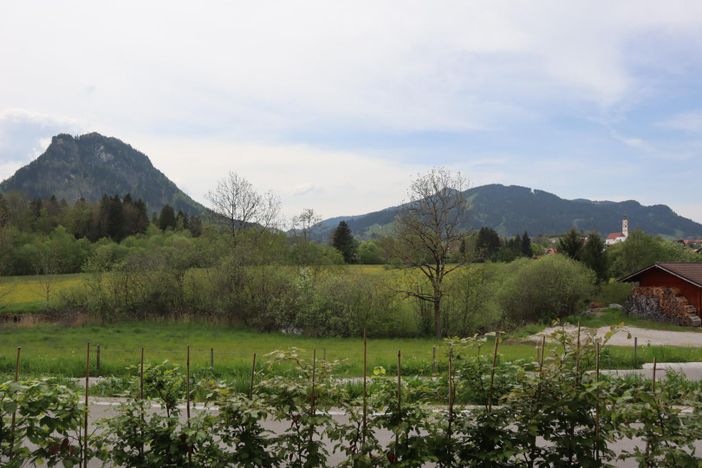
[668,292]
[616,237]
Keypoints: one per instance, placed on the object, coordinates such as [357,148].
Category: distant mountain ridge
[511,210]
[91,165]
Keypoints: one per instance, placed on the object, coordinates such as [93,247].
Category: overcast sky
[335,105]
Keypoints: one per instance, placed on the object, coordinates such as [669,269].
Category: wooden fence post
[541,358]
[97,358]
[451,393]
[492,373]
[187,384]
[141,398]
[597,402]
[14,412]
[313,409]
[85,421]
[433,361]
[365,389]
[187,391]
[399,396]
[636,346]
[577,357]
[212,359]
[253,376]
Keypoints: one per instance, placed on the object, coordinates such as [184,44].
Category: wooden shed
[686,278]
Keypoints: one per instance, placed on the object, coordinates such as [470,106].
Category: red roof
[615,235]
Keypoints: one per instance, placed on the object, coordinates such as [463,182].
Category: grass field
[56,350]
[28,293]
[22,294]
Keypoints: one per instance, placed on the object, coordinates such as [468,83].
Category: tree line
[243,268]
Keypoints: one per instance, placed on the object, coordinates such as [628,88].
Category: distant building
[616,237]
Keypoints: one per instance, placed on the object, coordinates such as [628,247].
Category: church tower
[625,228]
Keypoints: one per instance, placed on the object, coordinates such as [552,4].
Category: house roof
[615,235]
[690,272]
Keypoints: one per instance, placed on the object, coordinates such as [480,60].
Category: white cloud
[688,122]
[204,87]
[248,67]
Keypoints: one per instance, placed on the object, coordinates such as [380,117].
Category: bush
[342,304]
[545,289]
[613,292]
[471,304]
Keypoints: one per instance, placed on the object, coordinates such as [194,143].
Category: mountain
[511,210]
[91,165]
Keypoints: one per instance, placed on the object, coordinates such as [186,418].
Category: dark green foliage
[344,242]
[571,244]
[111,219]
[594,255]
[487,244]
[136,219]
[526,249]
[167,218]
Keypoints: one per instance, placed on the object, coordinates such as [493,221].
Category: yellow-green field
[28,293]
[20,294]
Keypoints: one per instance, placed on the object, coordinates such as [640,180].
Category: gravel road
[625,336]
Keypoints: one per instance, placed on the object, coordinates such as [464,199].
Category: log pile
[661,304]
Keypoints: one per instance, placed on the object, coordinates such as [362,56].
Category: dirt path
[625,336]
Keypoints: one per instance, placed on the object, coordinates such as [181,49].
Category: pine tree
[571,244]
[487,244]
[344,242]
[167,218]
[527,251]
[136,220]
[115,219]
[594,255]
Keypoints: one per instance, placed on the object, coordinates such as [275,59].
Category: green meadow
[60,351]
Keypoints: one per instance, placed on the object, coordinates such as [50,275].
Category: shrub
[471,304]
[545,289]
[613,292]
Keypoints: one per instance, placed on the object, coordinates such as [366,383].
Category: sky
[336,106]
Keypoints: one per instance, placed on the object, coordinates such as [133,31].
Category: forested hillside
[511,210]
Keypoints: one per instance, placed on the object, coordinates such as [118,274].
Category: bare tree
[427,231]
[236,200]
[6,290]
[303,222]
[46,266]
